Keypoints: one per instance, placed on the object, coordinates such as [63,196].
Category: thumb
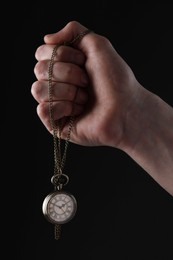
[69,34]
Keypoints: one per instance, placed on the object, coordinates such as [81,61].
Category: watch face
[59,207]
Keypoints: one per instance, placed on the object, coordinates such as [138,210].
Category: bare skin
[111,108]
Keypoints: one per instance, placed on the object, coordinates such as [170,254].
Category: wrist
[149,138]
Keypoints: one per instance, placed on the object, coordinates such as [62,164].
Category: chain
[57,231]
[59,160]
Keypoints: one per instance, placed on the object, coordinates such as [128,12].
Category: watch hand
[66,203]
[57,205]
[60,207]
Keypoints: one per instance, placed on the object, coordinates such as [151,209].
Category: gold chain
[59,159]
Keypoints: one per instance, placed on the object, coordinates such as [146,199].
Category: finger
[67,34]
[62,72]
[63,54]
[60,92]
[61,109]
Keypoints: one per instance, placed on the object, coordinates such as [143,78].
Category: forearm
[150,142]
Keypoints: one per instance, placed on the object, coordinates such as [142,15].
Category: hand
[92,82]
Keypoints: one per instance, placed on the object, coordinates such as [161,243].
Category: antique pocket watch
[59,207]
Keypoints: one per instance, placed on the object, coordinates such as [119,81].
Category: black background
[122,212]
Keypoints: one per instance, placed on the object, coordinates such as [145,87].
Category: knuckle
[39,52]
[72,24]
[42,110]
[36,90]
[60,53]
[40,70]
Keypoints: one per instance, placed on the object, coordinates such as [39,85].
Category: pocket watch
[59,207]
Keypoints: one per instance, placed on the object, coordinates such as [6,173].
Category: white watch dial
[59,207]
